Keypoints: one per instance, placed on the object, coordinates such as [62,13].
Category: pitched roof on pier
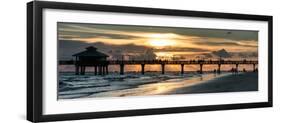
[91,52]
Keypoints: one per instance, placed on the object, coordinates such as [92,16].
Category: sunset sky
[165,41]
[162,39]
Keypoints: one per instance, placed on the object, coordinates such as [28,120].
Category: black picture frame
[35,69]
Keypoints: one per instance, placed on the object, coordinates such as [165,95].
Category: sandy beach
[229,83]
[89,86]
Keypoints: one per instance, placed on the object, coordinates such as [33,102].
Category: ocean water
[73,86]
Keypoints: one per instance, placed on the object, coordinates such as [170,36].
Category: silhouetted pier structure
[90,58]
[163,63]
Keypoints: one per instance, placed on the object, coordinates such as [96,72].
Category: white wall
[13,52]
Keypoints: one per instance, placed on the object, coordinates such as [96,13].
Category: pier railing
[138,62]
[182,62]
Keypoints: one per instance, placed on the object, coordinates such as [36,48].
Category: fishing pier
[92,58]
[101,67]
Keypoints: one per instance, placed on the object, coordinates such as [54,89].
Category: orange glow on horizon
[160,42]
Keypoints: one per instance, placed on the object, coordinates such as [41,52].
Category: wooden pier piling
[201,69]
[237,68]
[96,70]
[163,68]
[142,69]
[219,68]
[182,68]
[122,69]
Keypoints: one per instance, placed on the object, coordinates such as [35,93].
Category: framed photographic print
[94,61]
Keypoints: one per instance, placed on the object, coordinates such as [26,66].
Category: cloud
[73,35]
[225,43]
[133,30]
[69,47]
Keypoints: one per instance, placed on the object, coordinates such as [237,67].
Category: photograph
[110,60]
[90,61]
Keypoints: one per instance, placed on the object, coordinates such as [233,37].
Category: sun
[160,42]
